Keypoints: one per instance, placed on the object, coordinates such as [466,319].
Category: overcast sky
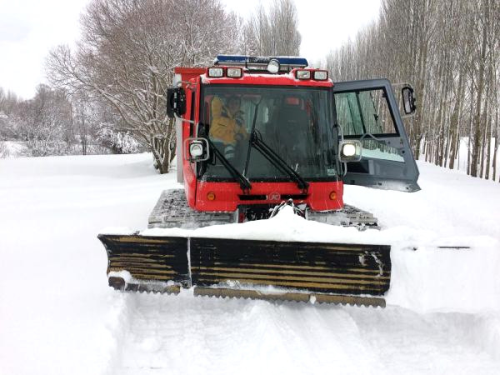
[30,28]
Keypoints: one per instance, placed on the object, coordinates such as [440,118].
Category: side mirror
[196,149]
[409,100]
[350,151]
[176,102]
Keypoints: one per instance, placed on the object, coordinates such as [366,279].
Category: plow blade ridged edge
[290,296]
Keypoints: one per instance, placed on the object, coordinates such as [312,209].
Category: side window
[349,114]
[365,115]
[375,112]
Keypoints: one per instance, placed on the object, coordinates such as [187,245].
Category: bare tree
[284,28]
[9,103]
[450,52]
[128,53]
[276,33]
[44,123]
[86,119]
[258,34]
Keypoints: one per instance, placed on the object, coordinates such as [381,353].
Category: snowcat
[301,138]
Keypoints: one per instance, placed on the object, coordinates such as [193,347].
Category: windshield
[296,123]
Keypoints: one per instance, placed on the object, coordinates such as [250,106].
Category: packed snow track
[58,316]
[166,334]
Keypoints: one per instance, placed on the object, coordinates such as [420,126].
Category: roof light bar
[261,62]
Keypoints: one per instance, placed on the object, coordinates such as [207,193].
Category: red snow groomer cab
[255,134]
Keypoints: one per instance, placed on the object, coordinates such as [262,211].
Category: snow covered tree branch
[127,55]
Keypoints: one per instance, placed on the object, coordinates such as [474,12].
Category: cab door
[367,111]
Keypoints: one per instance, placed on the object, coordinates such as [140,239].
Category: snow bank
[433,279]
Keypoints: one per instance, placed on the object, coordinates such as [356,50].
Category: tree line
[112,85]
[54,123]
[450,52]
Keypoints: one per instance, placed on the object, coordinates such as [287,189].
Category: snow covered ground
[57,315]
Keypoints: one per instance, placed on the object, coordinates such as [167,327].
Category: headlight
[273,66]
[349,150]
[320,75]
[303,74]
[196,149]
[215,72]
[234,72]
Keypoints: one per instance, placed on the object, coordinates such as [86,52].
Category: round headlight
[349,150]
[273,66]
[196,149]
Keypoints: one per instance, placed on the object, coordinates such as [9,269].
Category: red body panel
[227,194]
[190,77]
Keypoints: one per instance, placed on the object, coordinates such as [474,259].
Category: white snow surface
[58,316]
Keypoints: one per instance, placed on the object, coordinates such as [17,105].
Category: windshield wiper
[271,155]
[257,142]
[243,181]
[249,151]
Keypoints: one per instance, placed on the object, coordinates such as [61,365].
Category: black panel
[315,267]
[148,257]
